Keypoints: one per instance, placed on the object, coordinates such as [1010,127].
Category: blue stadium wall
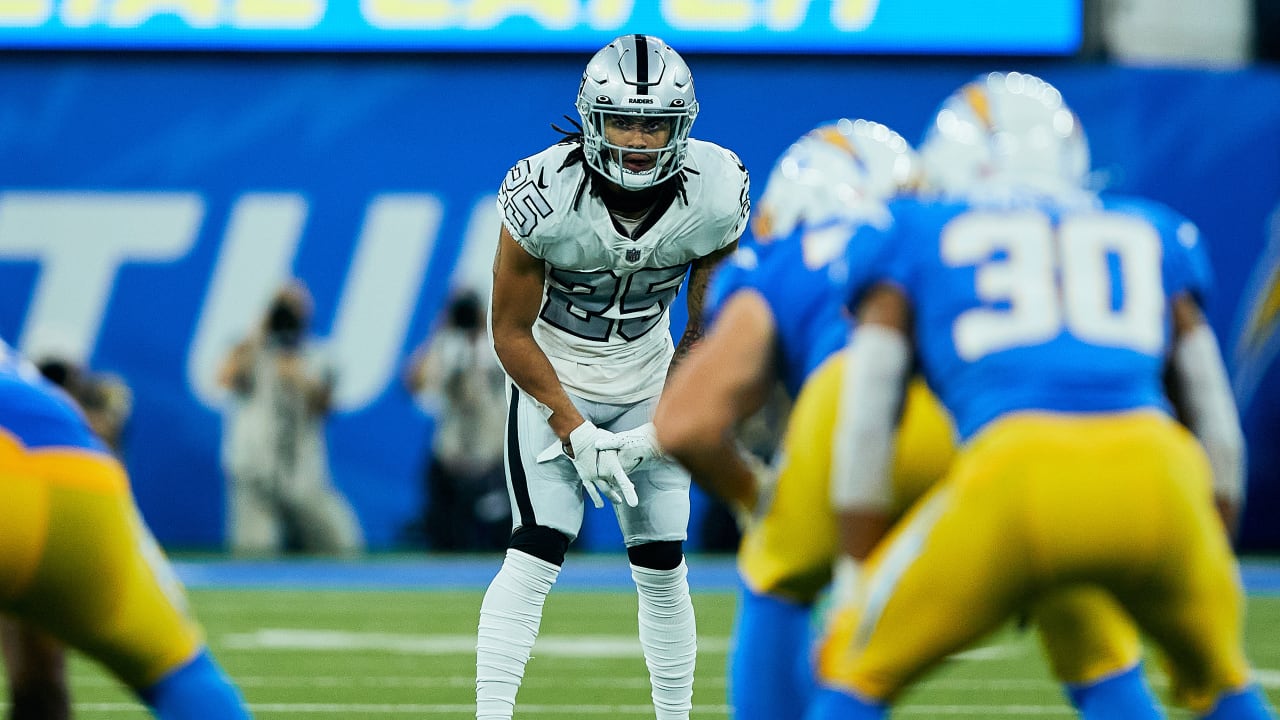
[148,202]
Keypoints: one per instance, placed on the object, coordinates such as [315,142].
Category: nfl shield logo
[633,255]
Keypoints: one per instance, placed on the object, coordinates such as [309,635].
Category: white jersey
[605,319]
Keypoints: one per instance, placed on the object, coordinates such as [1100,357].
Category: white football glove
[634,446]
[598,468]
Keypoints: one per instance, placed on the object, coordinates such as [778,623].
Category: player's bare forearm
[688,340]
[720,470]
[531,371]
[517,297]
[693,329]
[726,379]
[697,430]
[699,277]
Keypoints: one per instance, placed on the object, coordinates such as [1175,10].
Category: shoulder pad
[538,188]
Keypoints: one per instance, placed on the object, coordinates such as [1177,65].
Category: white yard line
[581,646]
[554,710]
[418,709]
[347,681]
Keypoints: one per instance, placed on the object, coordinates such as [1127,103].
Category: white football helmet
[636,75]
[843,169]
[1008,130]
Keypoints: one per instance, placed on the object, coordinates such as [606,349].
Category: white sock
[509,620]
[669,637]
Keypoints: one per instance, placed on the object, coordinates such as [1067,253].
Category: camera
[465,311]
[284,325]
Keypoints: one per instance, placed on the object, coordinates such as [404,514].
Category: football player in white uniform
[598,233]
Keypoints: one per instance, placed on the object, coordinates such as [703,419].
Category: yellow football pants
[1041,502]
[77,561]
[790,552]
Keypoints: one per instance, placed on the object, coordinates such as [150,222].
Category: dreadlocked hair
[575,155]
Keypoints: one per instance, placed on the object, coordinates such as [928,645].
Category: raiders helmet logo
[633,255]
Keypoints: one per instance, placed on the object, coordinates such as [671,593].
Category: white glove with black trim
[634,446]
[598,467]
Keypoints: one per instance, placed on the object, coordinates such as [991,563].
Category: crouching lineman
[77,562]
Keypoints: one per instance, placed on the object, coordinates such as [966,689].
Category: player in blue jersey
[776,314]
[1045,319]
[777,317]
[77,562]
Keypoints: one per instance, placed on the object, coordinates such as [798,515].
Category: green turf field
[360,654]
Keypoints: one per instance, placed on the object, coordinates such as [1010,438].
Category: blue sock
[769,675]
[1125,696]
[198,690]
[828,704]
[1246,704]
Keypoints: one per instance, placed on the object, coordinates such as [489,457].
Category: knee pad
[663,555]
[541,542]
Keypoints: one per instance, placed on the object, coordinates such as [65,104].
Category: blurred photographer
[281,496]
[105,398]
[455,374]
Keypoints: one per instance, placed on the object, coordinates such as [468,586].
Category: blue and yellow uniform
[77,561]
[786,558]
[789,552]
[1044,329]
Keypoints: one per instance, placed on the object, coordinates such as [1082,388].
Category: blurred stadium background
[163,164]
